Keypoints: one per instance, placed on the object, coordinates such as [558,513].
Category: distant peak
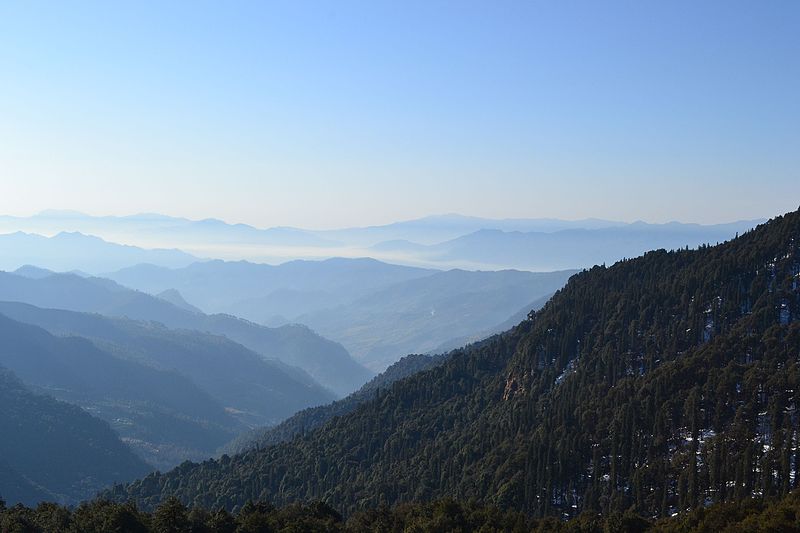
[75,235]
[33,272]
[151,216]
[61,213]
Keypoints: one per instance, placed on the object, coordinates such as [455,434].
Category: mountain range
[422,315]
[443,241]
[295,345]
[378,311]
[561,249]
[597,401]
[67,251]
[656,385]
[259,291]
[172,395]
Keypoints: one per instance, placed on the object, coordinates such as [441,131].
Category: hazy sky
[334,113]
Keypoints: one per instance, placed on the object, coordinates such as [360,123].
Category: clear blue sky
[334,113]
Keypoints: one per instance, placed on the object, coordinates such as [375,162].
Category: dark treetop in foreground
[752,516]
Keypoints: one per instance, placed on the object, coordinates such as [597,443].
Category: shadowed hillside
[54,451]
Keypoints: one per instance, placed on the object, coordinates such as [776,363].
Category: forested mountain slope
[310,419]
[659,383]
[56,451]
[326,361]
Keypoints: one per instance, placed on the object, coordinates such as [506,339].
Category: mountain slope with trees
[310,419]
[661,384]
[505,325]
[55,451]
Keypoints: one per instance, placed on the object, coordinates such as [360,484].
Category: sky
[329,114]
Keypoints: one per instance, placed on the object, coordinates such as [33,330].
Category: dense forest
[661,384]
[313,417]
[103,516]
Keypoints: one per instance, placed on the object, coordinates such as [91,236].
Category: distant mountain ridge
[438,228]
[295,345]
[155,227]
[378,311]
[419,315]
[564,248]
[176,298]
[425,242]
[68,251]
[505,325]
[218,286]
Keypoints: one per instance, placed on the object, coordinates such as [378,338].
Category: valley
[399,267]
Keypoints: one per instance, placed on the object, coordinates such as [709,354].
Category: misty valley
[326,391]
[451,266]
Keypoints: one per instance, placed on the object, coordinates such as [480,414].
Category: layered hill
[575,247]
[295,345]
[172,395]
[259,291]
[505,325]
[76,251]
[423,314]
[51,450]
[163,415]
[147,228]
[378,311]
[661,384]
[439,241]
